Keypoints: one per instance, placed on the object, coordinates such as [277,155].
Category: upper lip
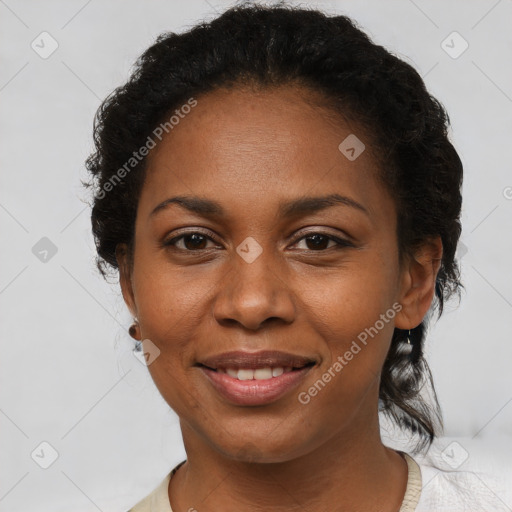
[253,360]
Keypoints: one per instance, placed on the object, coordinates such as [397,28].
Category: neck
[366,476]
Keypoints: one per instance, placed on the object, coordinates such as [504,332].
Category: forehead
[245,143]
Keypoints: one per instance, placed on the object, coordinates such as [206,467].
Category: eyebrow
[301,206]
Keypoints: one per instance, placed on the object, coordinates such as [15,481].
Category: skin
[251,150]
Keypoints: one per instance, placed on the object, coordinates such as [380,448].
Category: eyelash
[340,242]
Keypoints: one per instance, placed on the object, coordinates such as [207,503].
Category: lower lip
[254,392]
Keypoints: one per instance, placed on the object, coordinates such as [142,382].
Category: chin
[247,447]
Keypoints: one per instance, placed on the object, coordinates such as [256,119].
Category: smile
[244,378]
[258,374]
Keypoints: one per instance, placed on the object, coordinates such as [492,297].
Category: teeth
[245,374]
[263,373]
[258,374]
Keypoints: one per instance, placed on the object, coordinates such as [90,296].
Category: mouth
[261,373]
[261,365]
[258,378]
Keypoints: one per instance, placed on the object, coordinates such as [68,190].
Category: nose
[254,295]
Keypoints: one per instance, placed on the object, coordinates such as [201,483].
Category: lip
[253,360]
[255,392]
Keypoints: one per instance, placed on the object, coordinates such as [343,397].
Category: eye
[192,241]
[195,241]
[322,241]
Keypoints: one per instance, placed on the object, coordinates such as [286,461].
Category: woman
[282,203]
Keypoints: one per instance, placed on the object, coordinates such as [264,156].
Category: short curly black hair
[330,55]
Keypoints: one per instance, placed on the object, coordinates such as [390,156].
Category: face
[254,233]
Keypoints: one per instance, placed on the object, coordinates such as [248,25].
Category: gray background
[68,376]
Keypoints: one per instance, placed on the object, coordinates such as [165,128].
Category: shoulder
[157,500]
[454,479]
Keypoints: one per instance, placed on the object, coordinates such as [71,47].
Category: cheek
[169,301]
[353,298]
[355,318]
[171,307]
[354,312]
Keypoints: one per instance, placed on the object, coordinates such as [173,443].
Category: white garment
[462,490]
[429,489]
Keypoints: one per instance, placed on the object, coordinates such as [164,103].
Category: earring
[407,347]
[133,329]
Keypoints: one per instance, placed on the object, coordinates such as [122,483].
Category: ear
[418,283]
[125,277]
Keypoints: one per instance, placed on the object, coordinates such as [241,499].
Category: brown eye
[315,242]
[190,242]
[194,241]
[320,242]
